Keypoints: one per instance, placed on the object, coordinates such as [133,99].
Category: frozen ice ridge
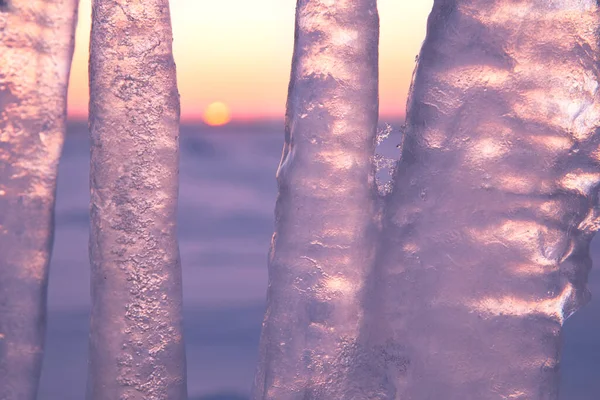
[323,247]
[36,47]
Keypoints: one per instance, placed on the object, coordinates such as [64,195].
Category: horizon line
[239,121]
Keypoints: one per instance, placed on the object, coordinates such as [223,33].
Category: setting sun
[216,114]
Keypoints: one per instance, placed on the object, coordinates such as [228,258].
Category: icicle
[136,342]
[485,246]
[36,47]
[322,248]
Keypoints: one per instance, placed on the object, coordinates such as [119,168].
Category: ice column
[487,230]
[322,249]
[136,343]
[36,47]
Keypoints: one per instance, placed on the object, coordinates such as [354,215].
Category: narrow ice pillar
[322,249]
[136,343]
[487,230]
[36,47]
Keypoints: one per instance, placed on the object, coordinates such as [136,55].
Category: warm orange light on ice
[217,114]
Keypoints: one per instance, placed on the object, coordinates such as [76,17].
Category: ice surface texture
[36,47]
[486,233]
[323,246]
[136,342]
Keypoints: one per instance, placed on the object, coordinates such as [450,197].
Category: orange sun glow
[217,114]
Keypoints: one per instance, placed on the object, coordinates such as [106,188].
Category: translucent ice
[486,233]
[322,249]
[136,341]
[36,47]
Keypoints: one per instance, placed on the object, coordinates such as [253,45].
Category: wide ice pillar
[136,339]
[485,245]
[36,47]
[322,249]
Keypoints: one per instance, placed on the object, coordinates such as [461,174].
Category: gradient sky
[239,52]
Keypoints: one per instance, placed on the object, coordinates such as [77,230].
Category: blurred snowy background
[227,196]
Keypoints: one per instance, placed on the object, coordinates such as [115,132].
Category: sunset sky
[238,52]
